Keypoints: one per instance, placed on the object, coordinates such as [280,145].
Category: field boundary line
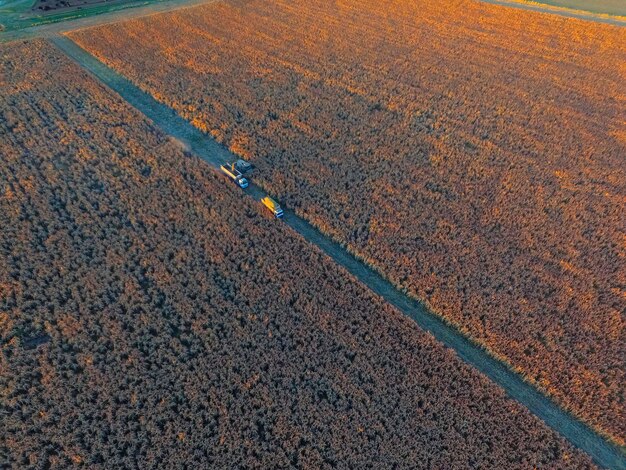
[577,432]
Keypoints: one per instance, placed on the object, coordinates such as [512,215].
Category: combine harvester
[234,174]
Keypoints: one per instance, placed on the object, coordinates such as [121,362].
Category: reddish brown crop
[472,153]
[151,316]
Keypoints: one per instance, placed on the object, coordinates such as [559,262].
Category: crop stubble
[473,154]
[152,316]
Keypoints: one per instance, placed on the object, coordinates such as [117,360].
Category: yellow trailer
[273,206]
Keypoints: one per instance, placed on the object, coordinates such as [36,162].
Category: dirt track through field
[579,434]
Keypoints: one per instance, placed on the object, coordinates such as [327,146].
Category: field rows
[473,154]
[152,317]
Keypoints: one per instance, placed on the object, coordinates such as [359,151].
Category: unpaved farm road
[578,433]
[52,29]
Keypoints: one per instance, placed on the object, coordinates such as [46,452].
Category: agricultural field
[473,154]
[606,7]
[18,15]
[56,5]
[151,316]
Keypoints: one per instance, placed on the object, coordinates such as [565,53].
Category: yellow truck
[273,206]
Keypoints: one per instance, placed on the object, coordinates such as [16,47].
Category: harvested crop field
[472,153]
[150,316]
[605,7]
[65,5]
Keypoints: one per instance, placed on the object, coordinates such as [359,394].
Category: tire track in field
[603,452]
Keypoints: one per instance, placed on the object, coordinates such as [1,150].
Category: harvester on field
[234,174]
